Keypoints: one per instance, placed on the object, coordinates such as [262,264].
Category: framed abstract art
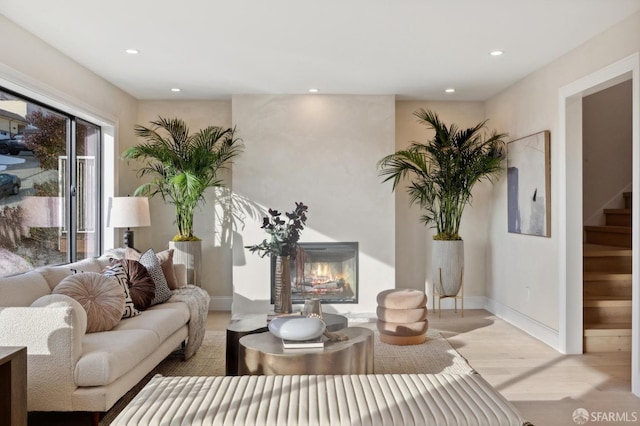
[528,183]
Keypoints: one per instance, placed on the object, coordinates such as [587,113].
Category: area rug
[436,355]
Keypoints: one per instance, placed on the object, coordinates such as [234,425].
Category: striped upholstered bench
[382,399]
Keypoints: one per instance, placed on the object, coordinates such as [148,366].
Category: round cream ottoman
[402,316]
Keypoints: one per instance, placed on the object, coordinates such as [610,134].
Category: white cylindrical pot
[189,253]
[447,263]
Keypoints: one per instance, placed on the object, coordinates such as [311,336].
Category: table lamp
[129,212]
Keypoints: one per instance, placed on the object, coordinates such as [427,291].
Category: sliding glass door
[49,186]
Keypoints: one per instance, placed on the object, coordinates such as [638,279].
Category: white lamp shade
[129,212]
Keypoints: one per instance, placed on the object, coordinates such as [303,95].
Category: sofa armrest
[53,337]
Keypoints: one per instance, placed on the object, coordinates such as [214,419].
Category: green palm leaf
[443,171]
[182,165]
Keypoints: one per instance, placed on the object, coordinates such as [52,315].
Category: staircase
[607,282]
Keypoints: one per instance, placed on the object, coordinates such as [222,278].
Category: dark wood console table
[13,386]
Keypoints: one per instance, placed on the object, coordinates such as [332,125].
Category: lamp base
[127,239]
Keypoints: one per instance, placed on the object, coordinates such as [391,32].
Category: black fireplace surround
[327,271]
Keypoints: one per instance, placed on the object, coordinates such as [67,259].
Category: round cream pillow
[102,298]
[61,300]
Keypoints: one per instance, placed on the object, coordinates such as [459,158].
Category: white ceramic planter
[189,253]
[447,266]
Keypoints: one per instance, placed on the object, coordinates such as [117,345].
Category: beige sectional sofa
[71,370]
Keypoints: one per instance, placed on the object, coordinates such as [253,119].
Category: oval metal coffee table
[258,324]
[263,354]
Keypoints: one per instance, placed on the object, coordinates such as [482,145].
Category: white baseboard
[527,324]
[220,303]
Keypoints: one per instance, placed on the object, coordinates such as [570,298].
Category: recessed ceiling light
[313,90]
[496,52]
[450,90]
[175,89]
[132,51]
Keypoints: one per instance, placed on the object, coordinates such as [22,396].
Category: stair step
[605,276]
[598,284]
[607,337]
[612,329]
[599,250]
[607,302]
[606,312]
[615,337]
[619,236]
[609,230]
[604,344]
[618,217]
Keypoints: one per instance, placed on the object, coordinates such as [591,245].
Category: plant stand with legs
[437,295]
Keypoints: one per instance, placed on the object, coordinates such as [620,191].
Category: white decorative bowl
[296,328]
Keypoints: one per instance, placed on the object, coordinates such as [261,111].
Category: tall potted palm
[182,166]
[441,174]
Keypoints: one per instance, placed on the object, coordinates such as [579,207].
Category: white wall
[320,150]
[606,154]
[522,278]
[413,239]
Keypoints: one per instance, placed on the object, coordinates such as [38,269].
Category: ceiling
[415,49]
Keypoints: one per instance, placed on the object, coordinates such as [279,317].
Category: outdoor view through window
[49,167]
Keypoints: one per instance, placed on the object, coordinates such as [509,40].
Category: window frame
[71,178]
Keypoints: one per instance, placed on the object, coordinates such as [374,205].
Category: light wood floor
[544,385]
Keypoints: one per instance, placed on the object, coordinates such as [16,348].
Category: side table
[13,386]
[258,324]
[263,354]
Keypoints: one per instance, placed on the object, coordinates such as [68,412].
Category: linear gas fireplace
[328,271]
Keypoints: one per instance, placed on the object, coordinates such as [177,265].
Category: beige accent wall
[606,155]
[522,275]
[321,150]
[216,247]
[414,239]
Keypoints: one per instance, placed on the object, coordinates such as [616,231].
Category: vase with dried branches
[283,245]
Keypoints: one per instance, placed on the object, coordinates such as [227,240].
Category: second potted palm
[441,175]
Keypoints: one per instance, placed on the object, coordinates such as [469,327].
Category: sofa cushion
[102,298]
[22,289]
[151,262]
[166,262]
[86,265]
[141,286]
[109,355]
[58,300]
[163,320]
[54,274]
[117,272]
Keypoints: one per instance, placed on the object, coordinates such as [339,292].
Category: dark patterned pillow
[141,286]
[151,262]
[117,271]
[166,261]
